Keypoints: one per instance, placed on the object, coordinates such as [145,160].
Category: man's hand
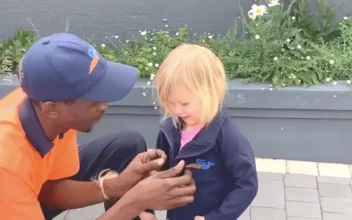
[139,168]
[164,190]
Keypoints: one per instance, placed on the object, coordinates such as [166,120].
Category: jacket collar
[203,141]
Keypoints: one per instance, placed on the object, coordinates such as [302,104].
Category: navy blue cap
[63,67]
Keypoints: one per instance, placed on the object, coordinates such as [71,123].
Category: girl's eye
[184,104]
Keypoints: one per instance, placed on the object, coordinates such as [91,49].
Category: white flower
[150,64]
[273,3]
[288,40]
[143,33]
[348,82]
[177,33]
[156,65]
[164,19]
[257,36]
[275,58]
[331,62]
[328,79]
[210,37]
[144,94]
[116,36]
[345,18]
[154,53]
[271,89]
[166,25]
[299,46]
[148,83]
[334,83]
[293,18]
[102,45]
[308,57]
[257,10]
[154,48]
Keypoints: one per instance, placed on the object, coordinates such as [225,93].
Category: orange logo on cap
[95,59]
[93,64]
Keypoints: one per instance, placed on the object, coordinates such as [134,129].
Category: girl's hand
[199,218]
[147,216]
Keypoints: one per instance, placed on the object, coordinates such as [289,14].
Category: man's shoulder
[15,151]
[12,99]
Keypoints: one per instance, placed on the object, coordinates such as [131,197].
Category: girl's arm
[240,164]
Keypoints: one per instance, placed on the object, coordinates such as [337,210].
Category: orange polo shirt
[28,158]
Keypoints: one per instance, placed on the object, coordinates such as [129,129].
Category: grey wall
[293,123]
[97,19]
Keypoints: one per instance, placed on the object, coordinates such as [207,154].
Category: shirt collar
[33,129]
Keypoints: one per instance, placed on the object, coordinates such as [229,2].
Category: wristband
[103,175]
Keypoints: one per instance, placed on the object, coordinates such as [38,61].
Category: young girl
[191,85]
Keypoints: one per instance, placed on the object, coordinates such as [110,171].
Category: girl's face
[185,105]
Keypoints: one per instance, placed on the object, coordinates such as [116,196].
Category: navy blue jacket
[227,179]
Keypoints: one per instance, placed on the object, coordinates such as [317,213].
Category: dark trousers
[110,152]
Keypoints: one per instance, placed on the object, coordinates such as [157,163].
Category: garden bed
[295,105]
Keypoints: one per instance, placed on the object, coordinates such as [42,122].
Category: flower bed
[283,48]
[280,44]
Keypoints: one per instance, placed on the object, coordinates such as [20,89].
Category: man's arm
[161,191]
[17,200]
[71,194]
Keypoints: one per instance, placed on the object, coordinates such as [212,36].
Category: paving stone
[242,217]
[334,170]
[336,205]
[267,175]
[329,179]
[271,194]
[303,210]
[88,213]
[62,216]
[336,216]
[302,194]
[300,180]
[247,211]
[270,165]
[160,215]
[294,218]
[302,167]
[260,213]
[334,190]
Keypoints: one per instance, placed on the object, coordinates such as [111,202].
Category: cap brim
[115,85]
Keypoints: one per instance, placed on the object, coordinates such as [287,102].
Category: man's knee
[130,141]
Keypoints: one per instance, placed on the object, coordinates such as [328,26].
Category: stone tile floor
[288,190]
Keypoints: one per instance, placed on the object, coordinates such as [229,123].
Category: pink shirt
[187,136]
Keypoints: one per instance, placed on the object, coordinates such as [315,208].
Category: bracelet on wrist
[103,175]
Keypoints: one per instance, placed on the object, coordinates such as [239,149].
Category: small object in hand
[193,165]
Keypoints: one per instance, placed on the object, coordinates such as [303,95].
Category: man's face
[79,114]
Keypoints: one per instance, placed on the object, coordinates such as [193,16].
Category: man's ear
[50,109]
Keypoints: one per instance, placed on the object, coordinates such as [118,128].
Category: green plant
[281,44]
[13,49]
[278,50]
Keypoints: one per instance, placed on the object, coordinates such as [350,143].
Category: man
[65,87]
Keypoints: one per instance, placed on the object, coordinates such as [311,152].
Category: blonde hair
[197,69]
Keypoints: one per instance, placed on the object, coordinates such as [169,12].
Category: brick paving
[280,197]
